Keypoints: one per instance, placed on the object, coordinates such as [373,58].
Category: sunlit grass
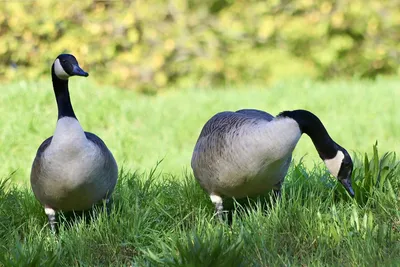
[141,130]
[162,220]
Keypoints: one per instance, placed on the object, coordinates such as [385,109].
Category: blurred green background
[148,45]
[271,55]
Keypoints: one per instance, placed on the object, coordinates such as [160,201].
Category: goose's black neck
[62,96]
[313,127]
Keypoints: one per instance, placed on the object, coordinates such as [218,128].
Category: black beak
[347,185]
[76,70]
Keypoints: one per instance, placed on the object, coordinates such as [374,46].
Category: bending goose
[72,169]
[244,153]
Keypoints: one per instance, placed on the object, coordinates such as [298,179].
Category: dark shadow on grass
[70,218]
[245,206]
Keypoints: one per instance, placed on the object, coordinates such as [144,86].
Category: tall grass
[162,220]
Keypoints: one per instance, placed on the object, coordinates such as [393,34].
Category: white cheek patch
[59,70]
[334,164]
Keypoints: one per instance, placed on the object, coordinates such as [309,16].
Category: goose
[247,152]
[73,169]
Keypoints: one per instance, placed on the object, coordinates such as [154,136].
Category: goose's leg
[217,201]
[51,215]
[108,206]
[277,194]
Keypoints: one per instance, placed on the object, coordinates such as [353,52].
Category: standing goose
[244,153]
[72,169]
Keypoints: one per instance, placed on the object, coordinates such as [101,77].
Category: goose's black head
[66,66]
[336,158]
[341,166]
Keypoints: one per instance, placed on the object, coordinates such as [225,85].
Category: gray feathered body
[73,169]
[244,153]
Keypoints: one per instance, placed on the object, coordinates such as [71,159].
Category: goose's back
[74,180]
[244,153]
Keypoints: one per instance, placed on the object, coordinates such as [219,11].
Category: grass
[163,218]
[165,221]
[141,130]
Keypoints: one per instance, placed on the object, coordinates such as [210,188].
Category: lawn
[141,130]
[162,217]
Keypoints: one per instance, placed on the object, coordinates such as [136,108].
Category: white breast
[68,136]
[71,157]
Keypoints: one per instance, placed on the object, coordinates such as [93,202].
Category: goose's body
[73,169]
[72,172]
[232,158]
[247,152]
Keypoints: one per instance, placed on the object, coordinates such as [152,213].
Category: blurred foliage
[151,44]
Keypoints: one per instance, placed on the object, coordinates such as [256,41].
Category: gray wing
[43,146]
[109,161]
[220,122]
[255,113]
[225,121]
[36,165]
[98,142]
